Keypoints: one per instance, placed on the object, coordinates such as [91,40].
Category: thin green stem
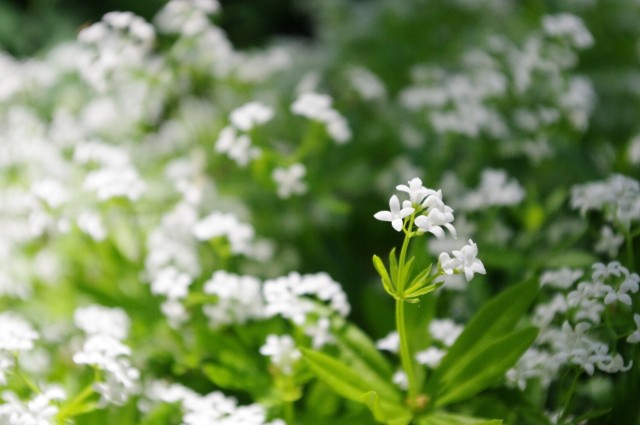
[408,234]
[629,244]
[77,401]
[569,398]
[405,353]
[18,371]
[289,413]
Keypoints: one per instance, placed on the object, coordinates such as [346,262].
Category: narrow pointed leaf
[384,275]
[393,267]
[495,319]
[425,290]
[487,366]
[353,339]
[405,272]
[344,380]
[385,412]
[442,418]
[419,280]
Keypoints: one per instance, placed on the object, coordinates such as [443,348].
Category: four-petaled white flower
[417,192]
[470,264]
[395,214]
[463,260]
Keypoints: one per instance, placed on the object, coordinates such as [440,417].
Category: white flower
[569,26]
[417,192]
[249,115]
[430,357]
[395,215]
[16,334]
[239,234]
[390,343]
[563,278]
[634,338]
[239,299]
[236,147]
[37,411]
[434,220]
[171,283]
[320,333]
[400,379]
[90,223]
[289,180]
[445,330]
[317,107]
[464,260]
[282,352]
[99,320]
[609,242]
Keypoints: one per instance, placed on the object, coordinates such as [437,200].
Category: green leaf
[419,280]
[404,273]
[384,275]
[498,317]
[393,414]
[425,290]
[487,366]
[344,380]
[353,339]
[442,418]
[393,266]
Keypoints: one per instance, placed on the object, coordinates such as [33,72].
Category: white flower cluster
[239,299]
[495,189]
[238,146]
[467,102]
[37,411]
[103,349]
[581,311]
[316,106]
[187,17]
[618,197]
[16,336]
[434,214]
[212,408]
[295,297]
[292,296]
[120,40]
[282,352]
[289,180]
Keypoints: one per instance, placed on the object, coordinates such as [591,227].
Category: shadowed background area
[29,26]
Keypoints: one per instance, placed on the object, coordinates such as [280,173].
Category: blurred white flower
[282,352]
[568,26]
[317,107]
[634,338]
[249,115]
[390,343]
[100,320]
[289,180]
[16,334]
[430,357]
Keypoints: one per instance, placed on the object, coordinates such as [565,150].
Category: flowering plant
[186,227]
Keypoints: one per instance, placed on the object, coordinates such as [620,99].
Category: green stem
[629,243]
[289,413]
[68,408]
[403,256]
[405,353]
[569,399]
[33,387]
